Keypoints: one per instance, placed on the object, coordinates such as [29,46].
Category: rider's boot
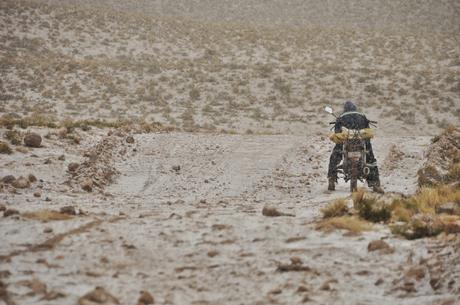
[378,189]
[331,186]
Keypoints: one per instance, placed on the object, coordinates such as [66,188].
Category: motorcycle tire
[354,176]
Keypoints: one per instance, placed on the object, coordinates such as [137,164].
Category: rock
[176,168]
[21,183]
[378,245]
[72,167]
[325,286]
[213,253]
[10,212]
[36,286]
[130,139]
[33,140]
[61,158]
[8,179]
[98,296]
[32,178]
[270,211]
[48,230]
[416,273]
[69,210]
[53,295]
[295,260]
[37,194]
[275,291]
[87,185]
[302,288]
[62,132]
[145,299]
[448,208]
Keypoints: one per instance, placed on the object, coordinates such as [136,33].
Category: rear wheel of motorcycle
[354,176]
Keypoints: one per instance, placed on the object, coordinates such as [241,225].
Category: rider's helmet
[349,106]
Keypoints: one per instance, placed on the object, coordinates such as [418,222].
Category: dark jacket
[351,120]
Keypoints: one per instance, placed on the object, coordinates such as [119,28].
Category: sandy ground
[183,221]
[182,218]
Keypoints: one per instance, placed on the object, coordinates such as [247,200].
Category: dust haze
[176,152]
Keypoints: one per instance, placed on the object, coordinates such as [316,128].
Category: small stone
[32,140]
[10,212]
[176,168]
[417,273]
[32,178]
[378,245]
[48,230]
[48,199]
[271,211]
[145,299]
[62,132]
[275,291]
[8,179]
[61,158]
[72,167]
[37,194]
[130,139]
[295,260]
[98,296]
[69,210]
[21,183]
[302,289]
[213,253]
[87,185]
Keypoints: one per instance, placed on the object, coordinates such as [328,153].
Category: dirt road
[183,221]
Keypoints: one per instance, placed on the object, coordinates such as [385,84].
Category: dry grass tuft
[349,223]
[14,136]
[370,208]
[5,148]
[46,215]
[336,208]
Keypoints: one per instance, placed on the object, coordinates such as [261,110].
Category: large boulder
[33,140]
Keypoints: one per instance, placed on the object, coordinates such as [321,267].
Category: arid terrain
[175,152]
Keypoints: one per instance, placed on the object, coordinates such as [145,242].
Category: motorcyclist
[352,119]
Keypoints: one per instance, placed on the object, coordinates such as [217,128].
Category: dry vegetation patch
[433,209]
[91,63]
[349,223]
[46,215]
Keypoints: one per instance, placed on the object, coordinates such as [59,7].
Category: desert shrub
[348,223]
[336,208]
[453,173]
[428,176]
[373,210]
[370,208]
[5,148]
[419,226]
[14,136]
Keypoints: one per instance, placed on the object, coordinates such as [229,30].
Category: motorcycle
[354,164]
